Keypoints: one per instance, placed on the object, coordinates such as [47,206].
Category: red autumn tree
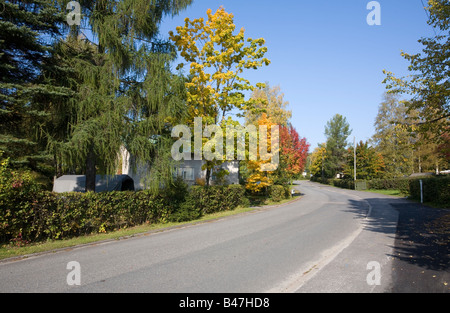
[293,152]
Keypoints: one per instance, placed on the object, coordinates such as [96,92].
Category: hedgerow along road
[329,240]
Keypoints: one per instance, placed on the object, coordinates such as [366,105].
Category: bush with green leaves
[17,201]
[401,184]
[29,214]
[434,189]
[215,198]
[278,193]
[343,183]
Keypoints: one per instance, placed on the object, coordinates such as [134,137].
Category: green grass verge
[389,192]
[9,250]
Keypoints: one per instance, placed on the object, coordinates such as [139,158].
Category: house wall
[231,166]
[140,175]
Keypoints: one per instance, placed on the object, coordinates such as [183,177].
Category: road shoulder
[408,240]
[421,256]
[354,269]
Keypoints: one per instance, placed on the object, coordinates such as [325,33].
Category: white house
[190,170]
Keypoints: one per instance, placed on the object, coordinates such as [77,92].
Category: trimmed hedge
[435,190]
[27,214]
[401,184]
[54,216]
[343,183]
[277,192]
[214,198]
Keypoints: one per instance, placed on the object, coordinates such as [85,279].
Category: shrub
[435,190]
[343,183]
[187,211]
[200,182]
[29,214]
[277,193]
[65,215]
[18,191]
[216,198]
[182,208]
[320,180]
[401,184]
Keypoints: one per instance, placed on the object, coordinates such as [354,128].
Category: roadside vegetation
[412,129]
[20,247]
[82,99]
[411,142]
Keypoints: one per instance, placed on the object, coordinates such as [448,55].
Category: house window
[187,173]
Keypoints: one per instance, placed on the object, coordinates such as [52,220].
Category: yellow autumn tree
[317,160]
[262,169]
[217,57]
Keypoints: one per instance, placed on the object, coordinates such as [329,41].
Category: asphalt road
[331,240]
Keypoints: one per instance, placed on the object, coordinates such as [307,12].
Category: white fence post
[421,191]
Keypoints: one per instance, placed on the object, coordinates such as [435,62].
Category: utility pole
[354,159]
[322,167]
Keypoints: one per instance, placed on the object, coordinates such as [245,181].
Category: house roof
[77,183]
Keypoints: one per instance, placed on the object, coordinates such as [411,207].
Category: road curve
[320,243]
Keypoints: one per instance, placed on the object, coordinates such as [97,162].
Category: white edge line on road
[298,279]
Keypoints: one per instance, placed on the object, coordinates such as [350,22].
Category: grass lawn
[9,250]
[389,192]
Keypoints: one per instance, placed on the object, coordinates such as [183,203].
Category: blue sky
[324,56]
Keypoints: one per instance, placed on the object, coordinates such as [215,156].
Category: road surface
[331,240]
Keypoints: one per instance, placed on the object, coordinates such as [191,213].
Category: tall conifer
[27,29]
[124,93]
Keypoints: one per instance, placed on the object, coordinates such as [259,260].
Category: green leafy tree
[337,131]
[430,156]
[429,84]
[369,162]
[392,137]
[269,100]
[124,91]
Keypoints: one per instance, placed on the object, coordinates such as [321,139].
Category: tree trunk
[90,170]
[208,176]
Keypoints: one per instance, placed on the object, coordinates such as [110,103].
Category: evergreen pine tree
[123,90]
[26,32]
